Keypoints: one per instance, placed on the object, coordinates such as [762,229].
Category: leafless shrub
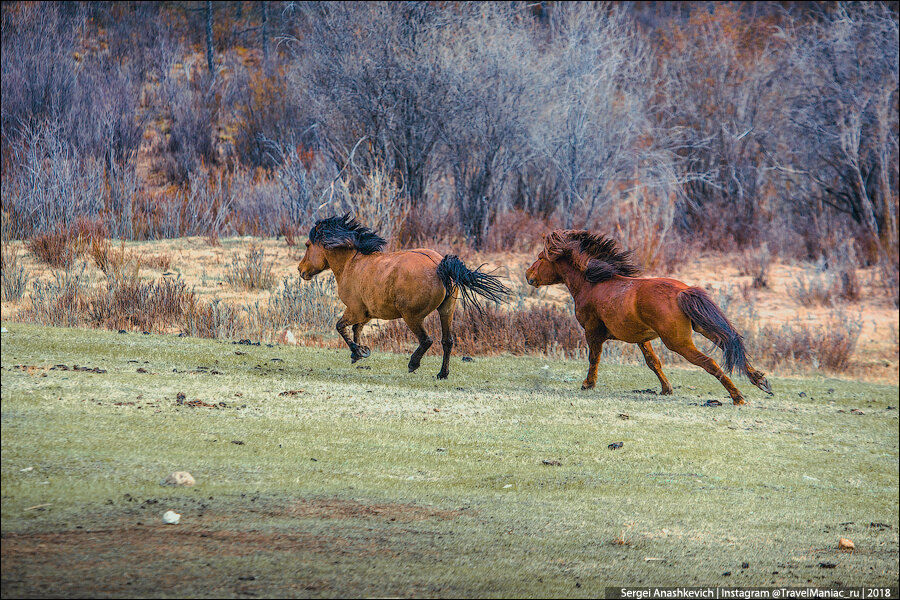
[116,264]
[515,231]
[62,302]
[756,263]
[127,302]
[889,274]
[194,103]
[309,305]
[15,278]
[829,346]
[251,271]
[56,248]
[815,287]
[216,319]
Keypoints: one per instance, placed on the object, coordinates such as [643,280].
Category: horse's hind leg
[445,310]
[415,324]
[757,378]
[655,366]
[687,349]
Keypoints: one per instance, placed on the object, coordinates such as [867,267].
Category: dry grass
[15,279]
[251,271]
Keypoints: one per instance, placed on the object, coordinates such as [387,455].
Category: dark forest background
[720,126]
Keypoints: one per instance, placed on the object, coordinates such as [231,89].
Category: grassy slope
[774,484]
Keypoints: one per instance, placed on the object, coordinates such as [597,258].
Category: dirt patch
[348,509]
[234,553]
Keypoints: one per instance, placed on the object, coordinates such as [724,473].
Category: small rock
[726,574]
[180,397]
[624,416]
[745,565]
[846,545]
[182,478]
[552,463]
[712,403]
[802,394]
[171,517]
[146,332]
[122,331]
[467,359]
[616,445]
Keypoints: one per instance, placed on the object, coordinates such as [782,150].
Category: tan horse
[612,304]
[408,285]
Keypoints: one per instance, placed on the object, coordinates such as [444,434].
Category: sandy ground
[204,267]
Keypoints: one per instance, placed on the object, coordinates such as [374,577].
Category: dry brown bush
[55,248]
[127,303]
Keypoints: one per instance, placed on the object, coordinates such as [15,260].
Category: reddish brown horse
[407,285]
[612,304]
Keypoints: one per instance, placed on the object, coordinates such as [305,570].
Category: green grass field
[320,478]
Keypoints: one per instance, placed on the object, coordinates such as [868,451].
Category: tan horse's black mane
[345,232]
[597,256]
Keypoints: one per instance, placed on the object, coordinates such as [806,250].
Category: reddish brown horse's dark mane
[595,255]
[345,232]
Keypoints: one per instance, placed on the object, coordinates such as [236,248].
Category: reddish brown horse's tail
[453,273]
[711,321]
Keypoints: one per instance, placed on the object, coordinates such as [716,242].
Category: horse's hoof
[412,368]
[738,402]
[363,351]
[667,392]
[442,375]
[587,386]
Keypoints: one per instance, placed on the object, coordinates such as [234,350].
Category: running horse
[611,303]
[408,285]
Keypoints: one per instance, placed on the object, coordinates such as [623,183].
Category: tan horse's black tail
[709,318]
[453,273]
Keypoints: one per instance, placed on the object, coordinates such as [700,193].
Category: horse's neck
[575,280]
[338,259]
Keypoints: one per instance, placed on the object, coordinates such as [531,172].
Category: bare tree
[846,117]
[496,86]
[594,129]
[371,71]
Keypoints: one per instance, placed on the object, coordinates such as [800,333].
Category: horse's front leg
[364,351]
[349,318]
[595,339]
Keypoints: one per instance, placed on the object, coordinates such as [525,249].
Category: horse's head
[543,271]
[313,261]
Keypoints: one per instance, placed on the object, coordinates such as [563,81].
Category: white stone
[182,478]
[171,517]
